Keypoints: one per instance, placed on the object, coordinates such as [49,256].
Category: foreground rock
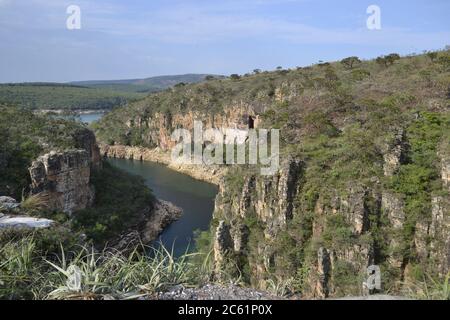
[8,203]
[18,222]
[163,215]
[214,292]
[152,223]
[64,178]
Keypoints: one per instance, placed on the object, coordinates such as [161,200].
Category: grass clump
[79,272]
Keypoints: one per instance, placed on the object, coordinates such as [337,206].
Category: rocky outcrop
[64,178]
[85,140]
[223,246]
[157,128]
[269,200]
[394,153]
[324,273]
[393,208]
[164,213]
[21,222]
[8,203]
[151,223]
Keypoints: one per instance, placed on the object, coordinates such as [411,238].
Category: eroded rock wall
[63,178]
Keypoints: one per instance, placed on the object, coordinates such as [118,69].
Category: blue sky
[138,38]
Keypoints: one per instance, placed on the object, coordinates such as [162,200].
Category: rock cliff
[63,178]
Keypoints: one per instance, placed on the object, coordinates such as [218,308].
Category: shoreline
[78,112]
[210,174]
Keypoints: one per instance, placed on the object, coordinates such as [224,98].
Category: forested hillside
[364,177]
[148,85]
[49,96]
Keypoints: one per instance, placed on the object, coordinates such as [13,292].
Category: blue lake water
[196,198]
[89,118]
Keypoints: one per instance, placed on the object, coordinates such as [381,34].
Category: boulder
[8,203]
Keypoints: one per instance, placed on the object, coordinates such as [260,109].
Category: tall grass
[430,288]
[91,275]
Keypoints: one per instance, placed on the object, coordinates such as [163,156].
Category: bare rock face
[85,140]
[324,273]
[161,125]
[164,213]
[64,178]
[394,154]
[445,171]
[154,219]
[271,198]
[393,207]
[8,203]
[432,237]
[223,245]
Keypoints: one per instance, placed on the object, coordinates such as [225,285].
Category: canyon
[354,188]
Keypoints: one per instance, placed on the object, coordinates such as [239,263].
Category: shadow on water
[196,198]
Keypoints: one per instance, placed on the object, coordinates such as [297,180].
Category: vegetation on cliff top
[120,197]
[148,85]
[301,102]
[25,136]
[339,119]
[41,96]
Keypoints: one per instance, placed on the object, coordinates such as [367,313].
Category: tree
[235,76]
[381,61]
[209,78]
[350,62]
[279,68]
[391,58]
[257,71]
[388,60]
[432,55]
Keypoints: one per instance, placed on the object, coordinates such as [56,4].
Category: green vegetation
[35,266]
[149,85]
[25,136]
[120,197]
[339,119]
[120,200]
[418,178]
[50,96]
[350,62]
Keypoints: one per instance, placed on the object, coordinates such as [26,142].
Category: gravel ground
[214,292]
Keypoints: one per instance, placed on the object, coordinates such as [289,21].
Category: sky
[142,38]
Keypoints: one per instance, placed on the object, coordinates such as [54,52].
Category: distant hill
[88,95]
[56,96]
[147,85]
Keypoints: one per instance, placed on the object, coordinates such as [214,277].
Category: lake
[195,197]
[89,118]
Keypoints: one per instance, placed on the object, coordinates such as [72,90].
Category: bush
[120,200]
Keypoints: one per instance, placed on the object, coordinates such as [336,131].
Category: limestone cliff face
[269,200]
[212,173]
[371,216]
[64,177]
[159,127]
[157,130]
